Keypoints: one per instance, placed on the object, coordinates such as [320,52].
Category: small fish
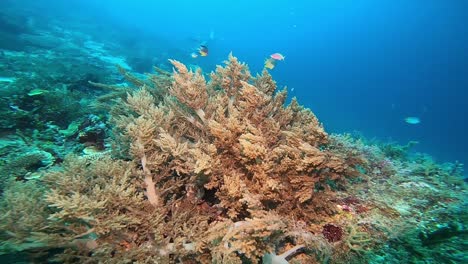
[277,56]
[412,120]
[270,63]
[15,108]
[36,92]
[203,50]
[7,79]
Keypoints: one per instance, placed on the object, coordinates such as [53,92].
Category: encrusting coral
[217,171]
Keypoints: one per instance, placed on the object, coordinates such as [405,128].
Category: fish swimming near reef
[277,56]
[15,108]
[201,51]
[36,92]
[270,63]
[412,120]
[7,79]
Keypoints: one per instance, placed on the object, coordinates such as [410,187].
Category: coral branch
[151,193]
[189,88]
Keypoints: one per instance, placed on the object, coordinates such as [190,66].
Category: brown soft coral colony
[222,172]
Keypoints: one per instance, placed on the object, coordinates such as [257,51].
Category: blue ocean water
[362,66]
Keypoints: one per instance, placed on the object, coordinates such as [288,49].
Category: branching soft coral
[223,171]
[189,88]
[225,158]
[252,237]
[246,152]
[22,214]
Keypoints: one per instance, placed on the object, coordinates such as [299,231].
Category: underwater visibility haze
[271,132]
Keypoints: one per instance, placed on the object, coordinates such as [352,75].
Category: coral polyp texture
[219,169]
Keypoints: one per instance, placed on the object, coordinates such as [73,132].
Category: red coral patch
[332,232]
